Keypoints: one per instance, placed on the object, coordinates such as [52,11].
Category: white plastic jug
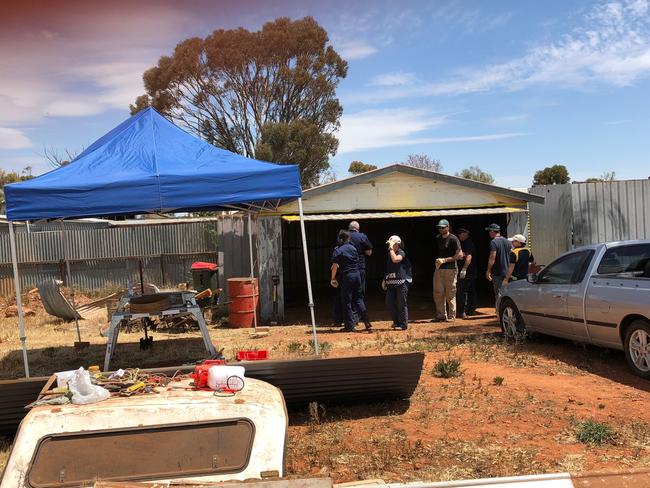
[226,377]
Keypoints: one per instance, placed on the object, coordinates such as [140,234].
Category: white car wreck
[176,434]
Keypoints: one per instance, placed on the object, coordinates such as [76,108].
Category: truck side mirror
[532,278]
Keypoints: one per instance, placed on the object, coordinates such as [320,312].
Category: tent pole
[70,285]
[19,299]
[308,273]
[257,288]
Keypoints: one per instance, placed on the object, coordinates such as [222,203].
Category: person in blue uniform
[364,247]
[344,273]
[338,319]
[397,281]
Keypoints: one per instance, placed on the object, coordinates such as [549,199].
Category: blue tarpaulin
[148,165]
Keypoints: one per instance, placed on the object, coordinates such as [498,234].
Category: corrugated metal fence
[578,214]
[107,257]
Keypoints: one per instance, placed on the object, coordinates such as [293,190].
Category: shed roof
[399,187]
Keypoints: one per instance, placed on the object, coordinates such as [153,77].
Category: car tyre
[637,348]
[512,324]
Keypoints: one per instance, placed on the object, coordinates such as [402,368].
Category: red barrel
[243,295]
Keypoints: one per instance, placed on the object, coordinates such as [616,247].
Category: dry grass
[465,427]
[5,446]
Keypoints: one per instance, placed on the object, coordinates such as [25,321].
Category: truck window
[147,453]
[634,259]
[565,270]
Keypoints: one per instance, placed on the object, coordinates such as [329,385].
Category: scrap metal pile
[90,386]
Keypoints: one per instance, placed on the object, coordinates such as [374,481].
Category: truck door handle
[558,296]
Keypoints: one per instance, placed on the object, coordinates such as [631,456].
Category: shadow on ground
[166,352]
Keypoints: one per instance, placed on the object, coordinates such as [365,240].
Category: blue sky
[510,86]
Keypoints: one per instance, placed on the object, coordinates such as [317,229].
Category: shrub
[592,432]
[447,368]
[498,380]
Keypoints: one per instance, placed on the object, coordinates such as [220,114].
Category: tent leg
[308,273]
[19,299]
[70,285]
[250,247]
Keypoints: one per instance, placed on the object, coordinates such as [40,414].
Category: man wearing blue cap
[499,261]
[444,277]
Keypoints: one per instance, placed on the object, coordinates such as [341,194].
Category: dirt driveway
[514,409]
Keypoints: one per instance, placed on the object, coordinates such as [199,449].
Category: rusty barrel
[243,295]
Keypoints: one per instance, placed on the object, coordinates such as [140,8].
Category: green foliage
[7,177]
[498,380]
[557,174]
[238,89]
[606,176]
[423,161]
[476,174]
[447,368]
[592,432]
[358,167]
[298,142]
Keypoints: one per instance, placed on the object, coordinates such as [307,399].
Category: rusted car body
[176,434]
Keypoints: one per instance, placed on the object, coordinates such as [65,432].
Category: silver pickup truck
[599,294]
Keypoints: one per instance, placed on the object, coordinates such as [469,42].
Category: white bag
[83,391]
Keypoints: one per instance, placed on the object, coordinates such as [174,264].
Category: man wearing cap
[444,277]
[520,259]
[466,296]
[499,257]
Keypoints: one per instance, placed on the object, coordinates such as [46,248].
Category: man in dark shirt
[499,257]
[466,296]
[520,259]
[363,246]
[345,273]
[444,277]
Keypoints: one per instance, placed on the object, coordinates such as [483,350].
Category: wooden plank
[269,265]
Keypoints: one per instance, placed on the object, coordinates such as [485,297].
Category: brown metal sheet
[331,381]
[620,479]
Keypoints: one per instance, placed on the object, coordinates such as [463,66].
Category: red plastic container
[200,374]
[252,355]
[243,295]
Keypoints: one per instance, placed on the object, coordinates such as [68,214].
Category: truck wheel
[512,324]
[637,348]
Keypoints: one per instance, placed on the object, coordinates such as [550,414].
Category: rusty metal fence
[109,256]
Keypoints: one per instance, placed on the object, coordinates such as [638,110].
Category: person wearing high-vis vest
[521,259]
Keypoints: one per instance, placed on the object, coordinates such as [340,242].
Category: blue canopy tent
[149,165]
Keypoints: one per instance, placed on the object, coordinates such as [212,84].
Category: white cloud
[74,107]
[618,122]
[382,128]
[372,129]
[508,119]
[610,47]
[355,49]
[397,78]
[13,139]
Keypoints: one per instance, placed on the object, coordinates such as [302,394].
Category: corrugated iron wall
[551,223]
[611,211]
[587,213]
[105,257]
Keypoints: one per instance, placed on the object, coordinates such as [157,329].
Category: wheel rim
[509,322]
[639,349]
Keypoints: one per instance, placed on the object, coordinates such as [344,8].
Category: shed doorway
[418,235]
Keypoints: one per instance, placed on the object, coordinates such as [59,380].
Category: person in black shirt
[397,280]
[444,277]
[520,259]
[345,267]
[466,295]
